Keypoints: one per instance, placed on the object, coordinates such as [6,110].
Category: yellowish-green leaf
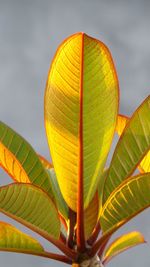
[123,243]
[19,159]
[81,105]
[91,216]
[131,148]
[12,239]
[129,199]
[32,207]
[60,202]
[144,165]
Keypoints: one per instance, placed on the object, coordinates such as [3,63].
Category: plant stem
[72,223]
[92,262]
[57,257]
[44,254]
[93,251]
[62,238]
[94,235]
[101,250]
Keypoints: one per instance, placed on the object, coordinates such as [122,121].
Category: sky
[30,32]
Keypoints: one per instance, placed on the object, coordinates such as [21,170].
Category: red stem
[57,257]
[94,235]
[44,254]
[62,238]
[72,223]
[101,250]
[92,252]
[80,197]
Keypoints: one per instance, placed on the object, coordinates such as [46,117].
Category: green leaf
[131,148]
[129,199]
[19,159]
[60,202]
[13,240]
[81,105]
[121,244]
[32,207]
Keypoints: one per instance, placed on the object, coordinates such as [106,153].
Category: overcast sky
[30,31]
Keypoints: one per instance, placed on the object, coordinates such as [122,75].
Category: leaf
[121,244]
[19,159]
[60,202]
[101,189]
[32,207]
[129,199]
[81,105]
[121,123]
[45,162]
[13,240]
[144,165]
[131,148]
[91,216]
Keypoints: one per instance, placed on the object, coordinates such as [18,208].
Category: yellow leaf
[121,244]
[81,105]
[121,123]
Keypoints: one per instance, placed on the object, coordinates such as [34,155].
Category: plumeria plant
[77,202]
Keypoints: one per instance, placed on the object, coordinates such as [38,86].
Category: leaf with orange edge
[47,165]
[121,244]
[19,159]
[32,207]
[131,148]
[81,91]
[144,165]
[13,240]
[91,216]
[125,202]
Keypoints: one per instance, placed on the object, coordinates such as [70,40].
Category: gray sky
[30,32]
